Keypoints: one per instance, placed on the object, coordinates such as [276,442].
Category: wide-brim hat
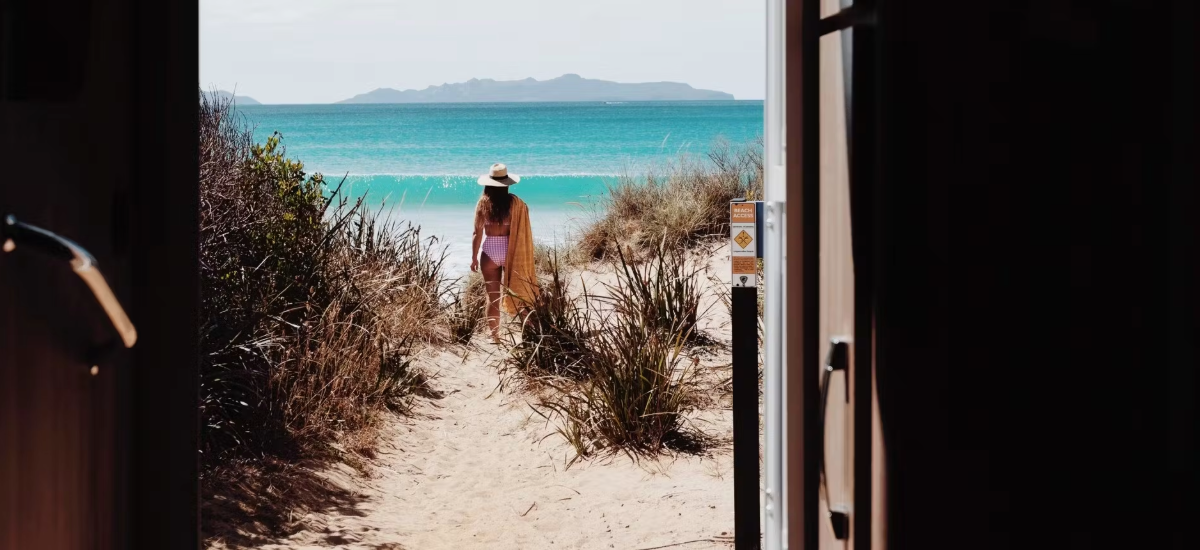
[498,177]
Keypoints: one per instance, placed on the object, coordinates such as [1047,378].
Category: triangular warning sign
[743,239]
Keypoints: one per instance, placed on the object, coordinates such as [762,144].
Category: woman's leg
[491,278]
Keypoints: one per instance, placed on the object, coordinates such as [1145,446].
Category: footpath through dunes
[478,469]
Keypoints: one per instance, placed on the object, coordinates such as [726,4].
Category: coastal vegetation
[556,335]
[315,311]
[467,308]
[631,386]
[312,308]
[685,203]
[613,366]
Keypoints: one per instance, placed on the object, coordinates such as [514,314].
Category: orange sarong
[520,273]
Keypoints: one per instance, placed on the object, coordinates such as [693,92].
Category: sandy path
[469,472]
[476,470]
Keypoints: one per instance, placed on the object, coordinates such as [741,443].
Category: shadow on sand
[257,503]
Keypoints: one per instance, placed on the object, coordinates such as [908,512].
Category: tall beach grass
[312,307]
[685,202]
[608,363]
[620,379]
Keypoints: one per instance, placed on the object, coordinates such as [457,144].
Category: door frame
[163,447]
[791,382]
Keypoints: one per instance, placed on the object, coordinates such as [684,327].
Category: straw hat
[498,177]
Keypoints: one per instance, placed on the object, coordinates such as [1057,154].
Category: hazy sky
[321,51]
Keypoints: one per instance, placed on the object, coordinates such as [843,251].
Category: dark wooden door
[96,102]
[836,477]
[66,150]
[1030,204]
[1037,304]
[836,285]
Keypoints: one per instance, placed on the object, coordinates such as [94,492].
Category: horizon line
[342,102]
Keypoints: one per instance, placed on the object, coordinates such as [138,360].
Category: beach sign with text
[743,232]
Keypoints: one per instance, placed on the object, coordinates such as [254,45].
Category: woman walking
[506,258]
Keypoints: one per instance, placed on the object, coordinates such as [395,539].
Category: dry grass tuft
[635,400]
[685,203]
[618,379]
[615,379]
[664,290]
[549,258]
[556,332]
[468,308]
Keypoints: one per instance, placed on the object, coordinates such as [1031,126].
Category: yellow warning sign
[743,265]
[743,239]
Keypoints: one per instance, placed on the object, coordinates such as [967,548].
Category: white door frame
[774,262]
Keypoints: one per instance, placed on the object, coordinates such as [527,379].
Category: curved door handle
[838,359]
[14,232]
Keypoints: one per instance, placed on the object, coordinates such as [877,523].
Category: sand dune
[477,469]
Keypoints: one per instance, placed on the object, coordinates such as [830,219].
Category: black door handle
[13,232]
[838,359]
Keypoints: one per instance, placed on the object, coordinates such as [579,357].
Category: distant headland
[569,87]
[238,99]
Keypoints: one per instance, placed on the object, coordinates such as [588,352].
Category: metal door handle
[14,232]
[838,359]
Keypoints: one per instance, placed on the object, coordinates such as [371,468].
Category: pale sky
[321,51]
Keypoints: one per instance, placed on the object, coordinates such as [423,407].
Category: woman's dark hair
[494,204]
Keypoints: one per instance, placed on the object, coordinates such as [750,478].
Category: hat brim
[489,181]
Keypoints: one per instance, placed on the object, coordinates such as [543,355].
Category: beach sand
[478,469]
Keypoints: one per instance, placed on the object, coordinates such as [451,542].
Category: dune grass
[556,333]
[621,380]
[613,361]
[547,259]
[312,308]
[685,203]
[663,291]
[636,398]
[467,308]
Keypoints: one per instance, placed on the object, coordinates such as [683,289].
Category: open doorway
[991,136]
[468,288]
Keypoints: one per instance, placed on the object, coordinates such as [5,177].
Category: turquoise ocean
[419,162]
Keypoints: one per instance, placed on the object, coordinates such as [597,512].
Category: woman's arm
[476,240]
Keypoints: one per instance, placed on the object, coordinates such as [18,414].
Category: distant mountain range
[569,87]
[239,99]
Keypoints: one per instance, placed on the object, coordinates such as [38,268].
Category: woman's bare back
[491,229]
